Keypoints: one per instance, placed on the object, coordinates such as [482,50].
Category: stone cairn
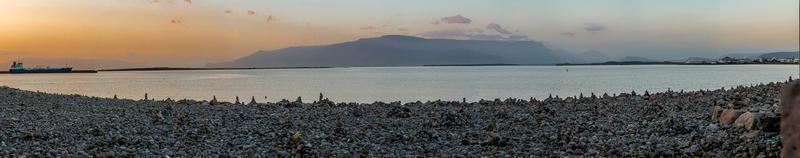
[746,110]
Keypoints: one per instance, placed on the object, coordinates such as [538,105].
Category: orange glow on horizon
[193,33]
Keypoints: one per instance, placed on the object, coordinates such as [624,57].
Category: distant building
[726,60]
[695,61]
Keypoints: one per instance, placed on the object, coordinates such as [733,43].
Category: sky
[196,32]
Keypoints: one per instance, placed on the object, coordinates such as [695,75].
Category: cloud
[228,11]
[250,12]
[188,1]
[470,34]
[458,19]
[368,28]
[498,28]
[402,29]
[270,19]
[474,30]
[567,34]
[594,27]
[175,21]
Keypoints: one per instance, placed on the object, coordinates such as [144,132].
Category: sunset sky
[196,32]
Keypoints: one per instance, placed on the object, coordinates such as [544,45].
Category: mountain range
[794,54]
[780,55]
[398,50]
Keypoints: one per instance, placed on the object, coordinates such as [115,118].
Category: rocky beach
[727,122]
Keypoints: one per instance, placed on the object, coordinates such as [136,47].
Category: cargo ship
[17,67]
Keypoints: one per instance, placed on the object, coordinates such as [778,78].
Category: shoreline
[185,68]
[668,63]
[73,71]
[658,124]
[444,65]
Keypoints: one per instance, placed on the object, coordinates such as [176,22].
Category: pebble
[665,124]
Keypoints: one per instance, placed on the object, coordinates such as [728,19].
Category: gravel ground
[669,124]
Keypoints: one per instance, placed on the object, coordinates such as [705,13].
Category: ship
[18,67]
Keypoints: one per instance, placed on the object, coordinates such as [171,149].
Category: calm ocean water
[368,84]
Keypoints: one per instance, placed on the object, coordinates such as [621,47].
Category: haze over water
[369,84]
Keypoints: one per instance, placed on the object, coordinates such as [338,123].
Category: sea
[405,84]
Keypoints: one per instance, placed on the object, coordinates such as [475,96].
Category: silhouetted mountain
[396,50]
[781,55]
[635,58]
[697,59]
[762,55]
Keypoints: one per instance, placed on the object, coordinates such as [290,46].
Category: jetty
[73,71]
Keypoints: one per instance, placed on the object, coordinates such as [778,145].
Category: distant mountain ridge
[398,50]
[635,58]
[790,54]
[795,54]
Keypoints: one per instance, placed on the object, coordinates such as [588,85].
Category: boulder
[771,122]
[729,116]
[749,120]
[716,111]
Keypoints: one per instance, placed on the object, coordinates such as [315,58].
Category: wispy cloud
[592,27]
[567,34]
[270,18]
[498,28]
[470,34]
[474,30]
[458,19]
[368,28]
